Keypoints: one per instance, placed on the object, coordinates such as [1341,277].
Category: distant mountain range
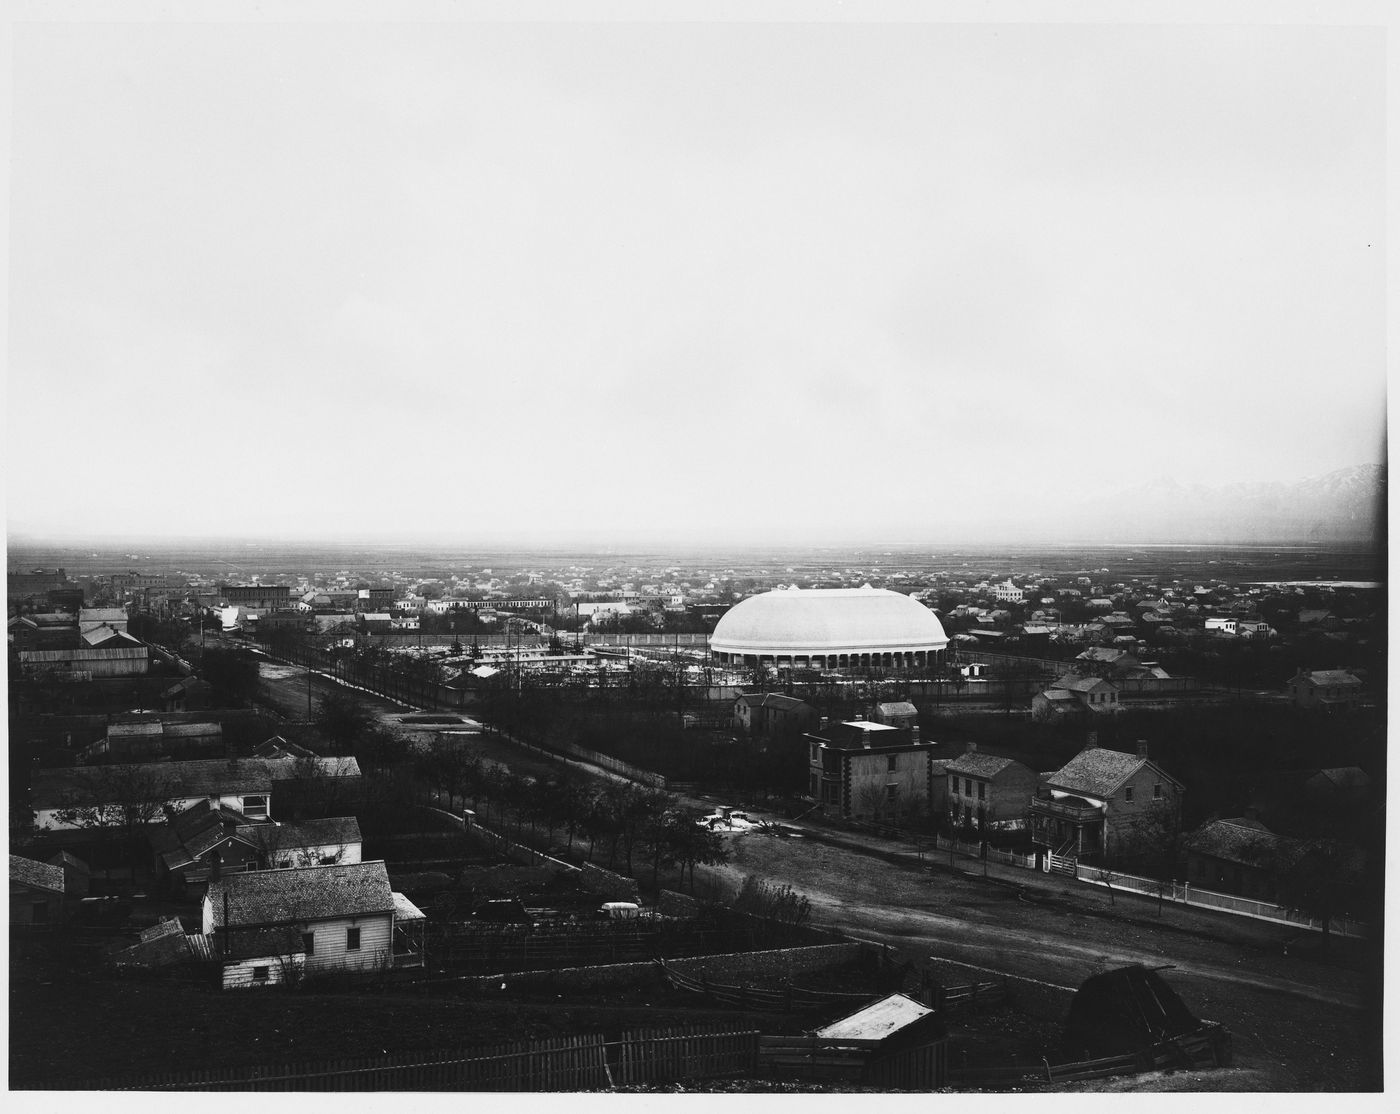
[1342,506]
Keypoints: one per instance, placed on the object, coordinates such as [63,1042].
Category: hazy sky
[729,281]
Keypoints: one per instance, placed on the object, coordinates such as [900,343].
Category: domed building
[829,628]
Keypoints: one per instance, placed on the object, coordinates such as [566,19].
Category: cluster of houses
[86,642]
[280,897]
[1101,806]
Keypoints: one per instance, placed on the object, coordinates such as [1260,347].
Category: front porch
[1068,826]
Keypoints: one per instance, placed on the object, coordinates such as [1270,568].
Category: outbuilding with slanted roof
[1237,856]
[36,892]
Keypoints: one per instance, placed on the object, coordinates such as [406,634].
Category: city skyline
[740,282]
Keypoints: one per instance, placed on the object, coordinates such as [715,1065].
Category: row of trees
[622,824]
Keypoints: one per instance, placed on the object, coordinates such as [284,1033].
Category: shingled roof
[1237,840]
[1072,682]
[1096,772]
[273,897]
[309,833]
[37,875]
[771,700]
[89,785]
[1333,678]
[977,764]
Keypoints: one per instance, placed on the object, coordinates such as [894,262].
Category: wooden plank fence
[1208,1047]
[811,1058]
[786,998]
[577,1063]
[659,1055]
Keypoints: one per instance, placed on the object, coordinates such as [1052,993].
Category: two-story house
[1103,804]
[1074,695]
[773,714]
[988,791]
[870,771]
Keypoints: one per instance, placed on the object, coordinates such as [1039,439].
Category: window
[967,786]
[260,974]
[352,939]
[1128,794]
[891,791]
[981,790]
[1157,791]
[254,806]
[893,763]
[308,942]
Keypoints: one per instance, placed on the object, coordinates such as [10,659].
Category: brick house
[1103,803]
[988,791]
[870,771]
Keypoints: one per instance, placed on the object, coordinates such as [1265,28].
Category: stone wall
[606,884]
[518,853]
[671,904]
[778,963]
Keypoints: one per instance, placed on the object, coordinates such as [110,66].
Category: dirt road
[1301,1023]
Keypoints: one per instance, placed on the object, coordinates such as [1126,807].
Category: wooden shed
[893,1042]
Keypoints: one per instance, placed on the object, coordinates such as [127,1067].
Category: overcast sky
[725,281]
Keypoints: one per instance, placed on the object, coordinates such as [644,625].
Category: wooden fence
[578,1063]
[821,1060]
[1183,893]
[661,1055]
[786,998]
[791,998]
[1208,1047]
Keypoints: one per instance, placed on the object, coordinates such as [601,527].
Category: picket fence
[578,1063]
[993,854]
[1183,893]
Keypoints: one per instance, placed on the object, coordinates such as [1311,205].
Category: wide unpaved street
[1299,1022]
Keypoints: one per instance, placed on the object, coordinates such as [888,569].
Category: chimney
[1251,813]
[1091,740]
[1142,748]
[971,748]
[914,731]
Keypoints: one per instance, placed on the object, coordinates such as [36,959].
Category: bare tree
[125,800]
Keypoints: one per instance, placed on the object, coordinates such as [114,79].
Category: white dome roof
[827,620]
